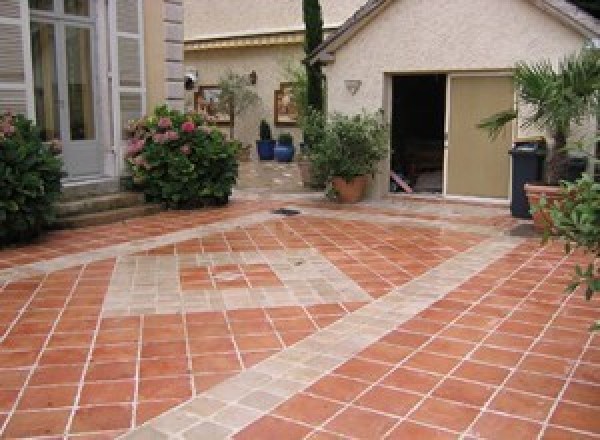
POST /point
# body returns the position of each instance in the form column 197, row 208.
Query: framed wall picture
column 206, row 100
column 286, row 110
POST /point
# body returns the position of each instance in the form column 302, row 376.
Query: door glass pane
column 77, row 7
column 79, row 83
column 42, row 5
column 45, row 82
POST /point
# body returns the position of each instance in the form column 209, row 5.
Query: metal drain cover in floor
column 285, row 212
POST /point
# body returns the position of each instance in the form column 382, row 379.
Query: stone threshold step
column 93, row 204
column 106, row 217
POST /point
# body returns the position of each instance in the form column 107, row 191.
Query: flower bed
column 30, row 176
column 180, row 161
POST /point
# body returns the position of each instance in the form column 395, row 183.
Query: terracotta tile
column 535, row 383
column 444, row 414
column 115, row 353
column 337, row 388
column 8, row 399
column 448, row 347
column 206, row 381
column 102, row 418
column 251, row 358
column 47, row 397
column 257, row 342
column 196, row 331
column 362, row 369
column 150, row 368
column 56, row 375
column 432, row 363
column 467, row 334
column 522, row 405
column 553, row 433
column 271, row 428
column 382, row 352
column 568, row 351
column 155, row 334
column 547, row 365
column 511, row 342
column 251, row 327
column 163, row 349
column 411, row 380
column 584, row 372
column 246, row 315
column 107, row 392
column 389, row 401
column 37, row 423
column 406, row 339
column 361, row 424
column 410, row 430
column 111, row 371
column 149, row 410
column 496, row 356
column 167, row 388
column 17, row 359
column 117, row 337
column 12, row 379
column 499, row 426
column 585, row 394
column 486, row 374
column 216, row 363
column 464, row 392
column 290, row 338
column 308, row 409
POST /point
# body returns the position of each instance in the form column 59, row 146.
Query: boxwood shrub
column 30, row 174
column 181, row 161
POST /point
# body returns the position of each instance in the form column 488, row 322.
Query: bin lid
column 528, row 148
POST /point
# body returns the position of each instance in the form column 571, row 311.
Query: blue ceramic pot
column 284, row 153
column 266, row 149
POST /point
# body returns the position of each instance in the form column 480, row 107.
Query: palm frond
column 495, row 124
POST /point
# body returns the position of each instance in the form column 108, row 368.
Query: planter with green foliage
column 555, row 99
column 284, row 151
column 30, row 174
column 265, row 146
column 179, row 161
column 346, row 150
column 576, row 221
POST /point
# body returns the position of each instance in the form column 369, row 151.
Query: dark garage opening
column 418, row 125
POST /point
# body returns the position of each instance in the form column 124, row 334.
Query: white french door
column 65, row 87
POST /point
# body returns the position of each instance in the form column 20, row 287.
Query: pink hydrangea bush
column 180, row 160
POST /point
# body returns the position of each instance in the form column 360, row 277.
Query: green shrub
column 286, row 139
column 576, row 220
column 346, row 146
column 30, row 176
column 178, row 160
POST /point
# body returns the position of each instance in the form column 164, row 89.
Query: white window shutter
column 16, row 79
column 127, row 66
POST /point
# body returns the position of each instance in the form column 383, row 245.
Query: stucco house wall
column 411, row 36
column 227, row 17
column 268, row 62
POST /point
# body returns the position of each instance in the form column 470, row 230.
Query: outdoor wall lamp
column 353, row 85
column 253, row 77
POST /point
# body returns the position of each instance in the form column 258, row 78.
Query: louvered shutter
column 127, row 61
column 16, row 84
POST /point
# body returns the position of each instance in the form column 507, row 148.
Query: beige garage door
column 478, row 166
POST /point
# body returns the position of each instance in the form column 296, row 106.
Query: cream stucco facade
column 480, row 37
column 251, row 35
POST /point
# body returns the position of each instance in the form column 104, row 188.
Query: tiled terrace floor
column 406, row 319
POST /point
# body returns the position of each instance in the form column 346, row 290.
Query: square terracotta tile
column 387, row 400
column 308, row 409
column 111, row 371
column 499, row 426
column 412, row 380
column 431, row 363
column 518, row 404
column 165, row 388
column 483, row 373
column 272, row 428
column 37, row 423
column 469, row 393
column 445, row 414
column 410, row 430
column 582, row 418
column 101, row 393
column 535, row 383
column 337, row 388
column 162, row 367
column 361, row 424
column 102, row 418
column 363, row 370
column 37, row 398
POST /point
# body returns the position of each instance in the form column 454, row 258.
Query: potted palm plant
column 556, row 99
column 346, row 152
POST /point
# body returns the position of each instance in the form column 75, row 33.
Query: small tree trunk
column 559, row 159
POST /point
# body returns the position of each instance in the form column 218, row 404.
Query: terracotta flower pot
column 535, row 193
column 350, row 191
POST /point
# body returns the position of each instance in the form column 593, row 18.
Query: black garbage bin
column 528, row 158
column 577, row 166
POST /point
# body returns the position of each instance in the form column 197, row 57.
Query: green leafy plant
column 30, row 174
column 576, row 220
column 178, row 160
column 346, row 146
column 236, row 97
column 285, row 139
column 558, row 97
column 265, row 131
column 295, row 74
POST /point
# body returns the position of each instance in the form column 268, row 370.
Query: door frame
column 466, row 74
column 94, row 23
